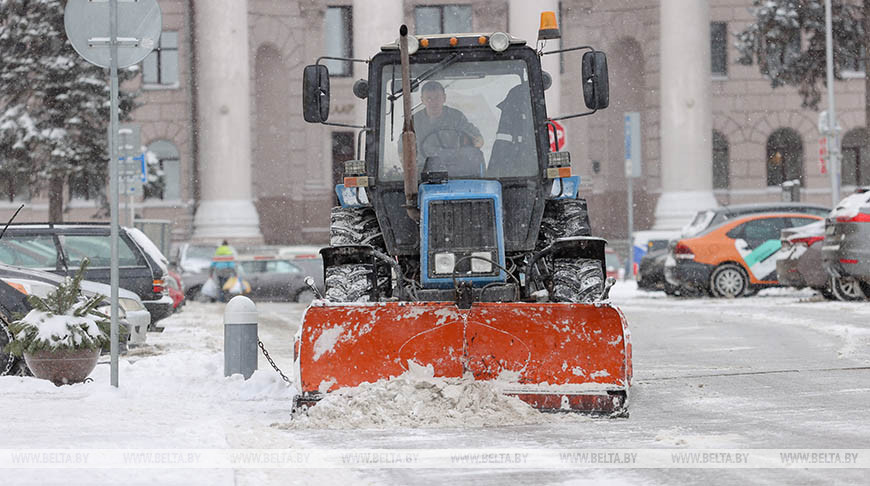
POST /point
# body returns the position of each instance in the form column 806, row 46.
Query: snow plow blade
column 554, row 356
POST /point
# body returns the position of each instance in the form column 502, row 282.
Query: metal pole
column 833, row 135
column 630, row 270
column 113, row 183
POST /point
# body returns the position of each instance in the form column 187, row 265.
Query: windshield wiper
column 444, row 64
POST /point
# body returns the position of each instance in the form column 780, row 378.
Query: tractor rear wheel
column 351, row 282
column 563, row 218
column 577, row 280
column 354, row 226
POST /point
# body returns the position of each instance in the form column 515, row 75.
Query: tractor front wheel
column 348, row 283
column 577, row 280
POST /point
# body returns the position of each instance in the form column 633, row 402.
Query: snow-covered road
column 779, row 370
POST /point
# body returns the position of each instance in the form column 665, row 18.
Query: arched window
column 856, row 158
column 721, row 162
column 785, row 157
column 164, row 172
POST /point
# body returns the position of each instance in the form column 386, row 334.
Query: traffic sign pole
column 140, row 23
column 113, row 181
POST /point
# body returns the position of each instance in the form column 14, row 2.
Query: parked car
column 651, row 269
column 614, row 265
column 29, row 281
column 60, row 248
column 799, row 263
column 846, row 251
column 733, row 259
column 708, row 218
column 277, row 278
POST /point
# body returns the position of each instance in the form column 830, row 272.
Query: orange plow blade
column 554, row 356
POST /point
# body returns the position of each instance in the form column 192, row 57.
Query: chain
column 269, row 358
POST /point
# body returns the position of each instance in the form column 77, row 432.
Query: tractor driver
column 442, row 127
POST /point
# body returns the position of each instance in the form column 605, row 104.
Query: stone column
column 686, row 114
column 375, row 23
column 226, row 209
column 524, row 19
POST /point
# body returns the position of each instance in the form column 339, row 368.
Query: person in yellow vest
column 223, row 267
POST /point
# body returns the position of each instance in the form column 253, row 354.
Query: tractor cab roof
column 456, row 40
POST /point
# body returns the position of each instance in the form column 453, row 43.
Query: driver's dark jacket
column 450, row 121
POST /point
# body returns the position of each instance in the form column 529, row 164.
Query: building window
column 856, row 158
column 160, row 67
column 164, row 172
column 338, row 29
column 719, row 48
column 442, row 19
column 342, row 151
column 785, row 157
column 721, row 161
column 14, row 186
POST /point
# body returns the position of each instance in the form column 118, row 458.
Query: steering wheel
column 440, row 142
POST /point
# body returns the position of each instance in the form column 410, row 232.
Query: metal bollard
column 240, row 337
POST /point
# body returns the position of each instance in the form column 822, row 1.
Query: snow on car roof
column 852, row 204
column 149, row 247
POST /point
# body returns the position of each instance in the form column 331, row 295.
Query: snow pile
column 418, row 399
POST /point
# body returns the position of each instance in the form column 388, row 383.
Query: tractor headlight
column 499, row 41
column 444, row 262
column 481, row 266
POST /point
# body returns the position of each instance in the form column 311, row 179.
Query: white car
column 130, row 307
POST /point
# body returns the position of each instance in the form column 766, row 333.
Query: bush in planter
column 61, row 337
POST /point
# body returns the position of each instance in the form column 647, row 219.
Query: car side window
column 96, row 248
column 281, row 266
column 795, row 222
column 763, row 229
column 253, row 266
column 31, row 251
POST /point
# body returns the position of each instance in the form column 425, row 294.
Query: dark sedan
column 282, row 279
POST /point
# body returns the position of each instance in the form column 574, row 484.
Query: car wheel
column 305, row 296
column 847, row 289
column 671, row 290
column 729, row 280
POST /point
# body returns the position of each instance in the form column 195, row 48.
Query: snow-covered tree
column 54, row 105
column 787, row 40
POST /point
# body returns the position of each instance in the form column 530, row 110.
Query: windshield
column 472, row 120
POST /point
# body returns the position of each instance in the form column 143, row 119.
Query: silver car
column 846, row 253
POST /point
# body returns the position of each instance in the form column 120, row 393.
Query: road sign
column 557, row 141
column 632, row 145
column 87, row 27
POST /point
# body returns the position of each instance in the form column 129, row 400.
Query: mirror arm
column 352, row 59
column 565, row 117
column 569, row 49
column 333, row 58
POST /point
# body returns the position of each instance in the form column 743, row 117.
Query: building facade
column 239, row 147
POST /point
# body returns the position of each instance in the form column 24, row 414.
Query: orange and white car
column 736, row 258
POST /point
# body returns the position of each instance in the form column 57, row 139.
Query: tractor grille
column 462, row 228
column 468, row 224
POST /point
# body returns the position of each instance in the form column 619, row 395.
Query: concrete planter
column 63, row 367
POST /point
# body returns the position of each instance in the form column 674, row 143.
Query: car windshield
column 472, row 120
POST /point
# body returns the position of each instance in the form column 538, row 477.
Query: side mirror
column 315, row 93
column 596, row 87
